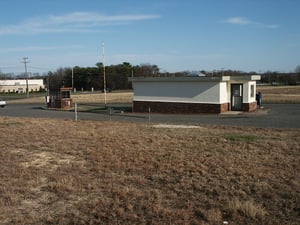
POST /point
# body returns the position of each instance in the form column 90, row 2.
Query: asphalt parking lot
column 271, row 116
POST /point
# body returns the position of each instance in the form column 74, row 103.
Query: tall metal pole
column 72, row 79
column 132, row 77
column 104, row 78
column 26, row 75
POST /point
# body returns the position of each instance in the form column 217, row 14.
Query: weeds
column 7, row 124
column 246, row 208
column 241, row 137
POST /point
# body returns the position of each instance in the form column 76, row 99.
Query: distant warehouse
column 19, row 86
column 194, row 94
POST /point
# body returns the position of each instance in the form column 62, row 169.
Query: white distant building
column 195, row 94
column 19, row 86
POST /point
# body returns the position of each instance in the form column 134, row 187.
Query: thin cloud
column 38, row 48
column 87, row 17
column 268, row 26
column 238, row 20
column 244, row 22
column 82, row 22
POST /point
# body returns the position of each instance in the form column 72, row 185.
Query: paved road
column 273, row 115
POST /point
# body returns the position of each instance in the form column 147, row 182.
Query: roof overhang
column 245, row 78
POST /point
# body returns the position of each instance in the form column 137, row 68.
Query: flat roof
column 195, row 79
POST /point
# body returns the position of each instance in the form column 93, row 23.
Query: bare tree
column 297, row 70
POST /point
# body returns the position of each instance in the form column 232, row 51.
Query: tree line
column 87, row 78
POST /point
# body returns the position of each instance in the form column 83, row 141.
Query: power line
column 39, row 68
column 14, row 68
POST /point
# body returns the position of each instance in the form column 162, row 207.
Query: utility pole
column 104, row 78
column 72, row 79
column 26, row 75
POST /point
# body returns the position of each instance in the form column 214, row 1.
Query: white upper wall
column 248, row 94
column 192, row 92
column 21, row 82
column 224, row 92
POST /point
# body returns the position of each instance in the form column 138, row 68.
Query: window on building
column 65, row 94
column 252, row 87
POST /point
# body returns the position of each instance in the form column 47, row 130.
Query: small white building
column 19, row 85
column 194, row 94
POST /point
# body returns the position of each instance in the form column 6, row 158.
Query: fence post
column 149, row 115
column 76, row 116
column 109, row 113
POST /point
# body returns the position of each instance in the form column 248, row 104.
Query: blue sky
column 176, row 35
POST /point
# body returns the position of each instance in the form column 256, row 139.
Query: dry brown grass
column 280, row 94
column 87, row 172
column 271, row 94
column 247, row 208
column 113, row 97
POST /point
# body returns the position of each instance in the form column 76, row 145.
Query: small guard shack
column 60, row 99
column 195, row 94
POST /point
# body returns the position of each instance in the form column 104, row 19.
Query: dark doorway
column 236, row 97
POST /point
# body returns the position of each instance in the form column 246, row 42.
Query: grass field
column 113, row 97
column 87, row 172
column 90, row 172
column 271, row 94
column 280, row 94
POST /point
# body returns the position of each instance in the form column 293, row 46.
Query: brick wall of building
column 249, row 107
column 176, row 107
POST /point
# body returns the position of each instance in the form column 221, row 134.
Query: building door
column 236, row 97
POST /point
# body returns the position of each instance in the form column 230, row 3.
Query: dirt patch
column 47, row 159
column 173, row 126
